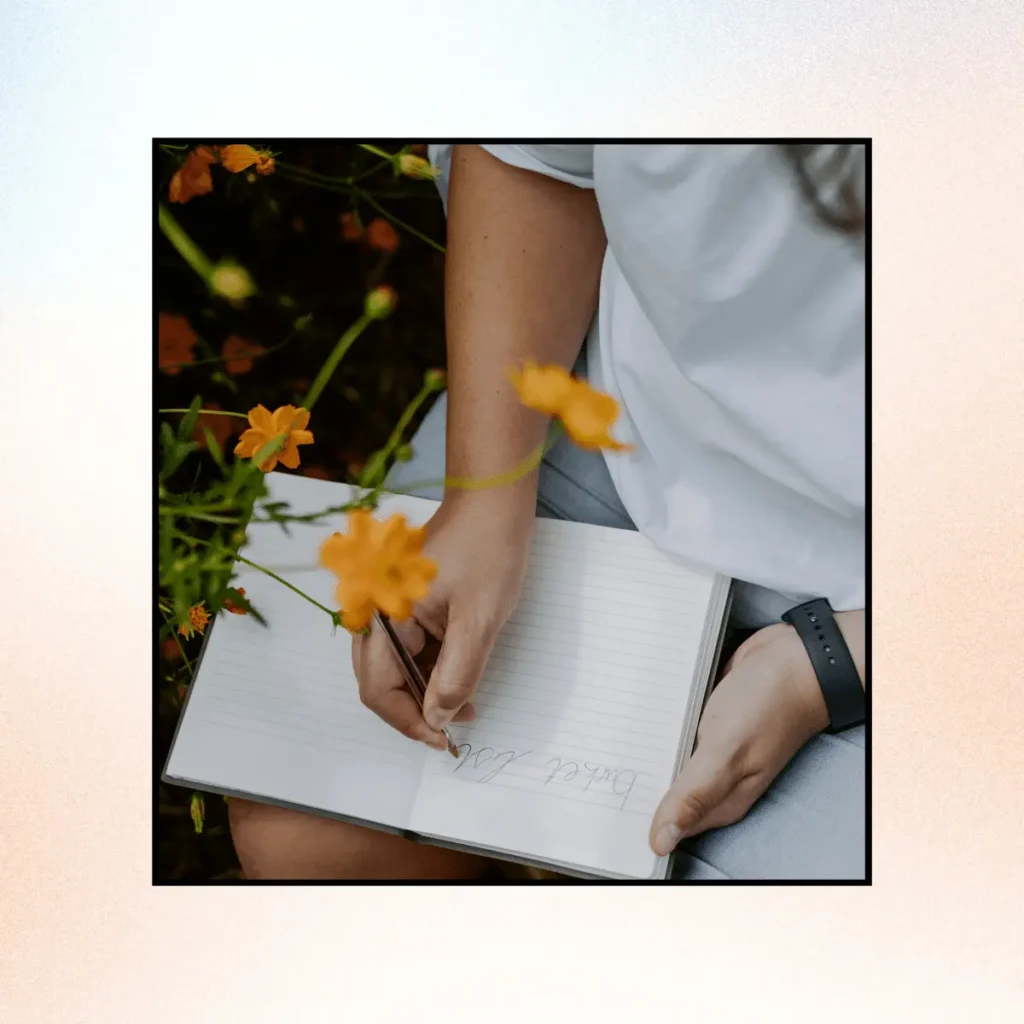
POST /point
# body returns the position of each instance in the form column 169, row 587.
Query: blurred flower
column 416, row 167
column 435, row 379
column 193, row 177
column 197, row 808
column 232, row 282
column 222, row 427
column 419, row 148
column 175, row 341
column 381, row 302
column 316, row 472
column 351, row 229
column 298, row 225
column 380, row 565
column 237, row 351
column 287, row 421
column 587, row 415
column 381, row 235
column 182, row 692
column 198, row 618
column 230, row 606
column 169, row 649
column 238, row 158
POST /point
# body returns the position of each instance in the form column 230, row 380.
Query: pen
column 411, row 671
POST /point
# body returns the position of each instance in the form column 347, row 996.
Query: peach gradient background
column 83, row 88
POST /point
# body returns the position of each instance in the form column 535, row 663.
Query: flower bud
column 403, row 453
column 381, row 302
column 435, row 380
column 416, row 167
column 232, row 282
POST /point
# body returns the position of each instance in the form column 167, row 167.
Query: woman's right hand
column 480, row 541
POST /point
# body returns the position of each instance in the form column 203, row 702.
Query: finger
column 460, row 664
column 382, row 685
column 696, row 798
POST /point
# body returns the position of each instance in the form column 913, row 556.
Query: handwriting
column 619, row 780
column 484, row 764
column 502, row 760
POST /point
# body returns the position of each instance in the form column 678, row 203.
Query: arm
column 522, row 275
column 524, row 263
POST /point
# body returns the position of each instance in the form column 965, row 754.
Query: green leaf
column 188, row 421
column 167, row 438
column 215, row 450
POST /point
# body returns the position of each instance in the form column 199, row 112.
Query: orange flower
column 381, row 235
column 587, row 415
column 175, row 341
column 198, row 618
column 238, row 158
column 222, row 427
column 193, row 177
column 380, row 565
column 230, row 606
column 351, row 229
column 236, row 350
column 287, row 421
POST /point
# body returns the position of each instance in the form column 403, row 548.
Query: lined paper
column 581, row 707
column 580, row 711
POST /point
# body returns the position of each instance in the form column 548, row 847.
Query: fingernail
column 668, row 839
column 438, row 744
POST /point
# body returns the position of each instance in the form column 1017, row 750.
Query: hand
column 766, row 707
column 480, row 541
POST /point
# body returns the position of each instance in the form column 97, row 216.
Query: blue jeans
column 810, row 822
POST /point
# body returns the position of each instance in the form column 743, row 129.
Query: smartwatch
column 832, row 662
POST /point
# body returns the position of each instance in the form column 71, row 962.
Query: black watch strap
column 832, row 662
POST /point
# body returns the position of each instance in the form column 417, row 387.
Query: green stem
column 274, row 576
column 314, row 177
column 466, row 483
column 174, row 633
column 187, row 249
column 380, row 458
column 390, row 157
column 331, row 364
column 209, row 412
column 370, row 201
column 262, row 354
column 184, row 512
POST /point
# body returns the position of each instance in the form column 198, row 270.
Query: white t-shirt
column 730, row 328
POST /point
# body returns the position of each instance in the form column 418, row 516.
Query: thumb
column 464, row 653
column 705, row 782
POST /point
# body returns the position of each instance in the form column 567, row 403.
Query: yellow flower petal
column 238, row 158
column 544, row 388
column 261, row 419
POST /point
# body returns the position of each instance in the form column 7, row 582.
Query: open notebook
column 586, row 710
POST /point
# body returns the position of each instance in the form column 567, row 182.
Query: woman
column 728, row 287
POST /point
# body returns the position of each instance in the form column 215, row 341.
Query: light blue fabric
column 810, row 822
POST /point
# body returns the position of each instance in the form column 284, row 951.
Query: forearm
column 522, row 275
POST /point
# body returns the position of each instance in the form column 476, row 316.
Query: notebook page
column 581, row 707
column 275, row 712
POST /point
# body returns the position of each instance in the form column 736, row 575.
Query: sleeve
column 573, row 164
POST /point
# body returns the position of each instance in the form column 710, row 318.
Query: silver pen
column 411, row 671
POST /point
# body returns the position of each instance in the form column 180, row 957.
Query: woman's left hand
column 766, row 707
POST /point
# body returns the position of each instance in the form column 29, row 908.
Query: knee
column 274, row 843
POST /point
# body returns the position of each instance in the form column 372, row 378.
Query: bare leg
column 273, row 843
